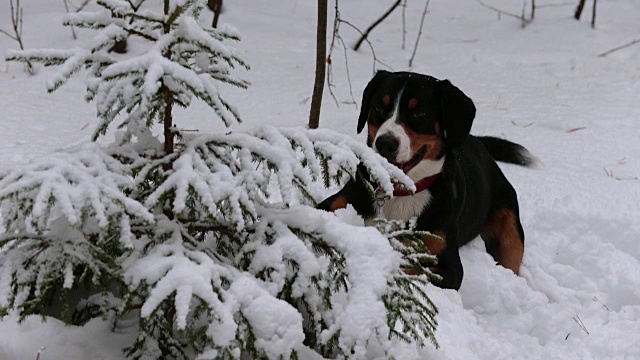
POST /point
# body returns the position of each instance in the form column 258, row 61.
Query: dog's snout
column 387, row 146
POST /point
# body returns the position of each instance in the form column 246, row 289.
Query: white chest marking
column 405, row 207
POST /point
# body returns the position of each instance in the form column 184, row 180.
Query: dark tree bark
column 321, row 64
column 579, row 9
column 120, row 46
column 168, row 121
column 376, row 23
column 533, row 9
column 216, row 7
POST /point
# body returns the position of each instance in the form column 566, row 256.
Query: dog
column 421, row 125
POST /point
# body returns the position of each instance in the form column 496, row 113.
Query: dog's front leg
column 357, row 192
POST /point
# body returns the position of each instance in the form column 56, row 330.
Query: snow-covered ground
column 578, row 296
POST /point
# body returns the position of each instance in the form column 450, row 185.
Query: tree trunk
column 168, row 121
column 593, row 15
column 216, row 7
column 321, row 63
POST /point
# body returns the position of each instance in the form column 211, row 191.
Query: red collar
column 420, row 186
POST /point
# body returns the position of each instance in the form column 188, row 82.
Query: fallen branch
column 576, row 129
column 611, row 175
column 580, row 323
column 601, row 303
column 619, row 48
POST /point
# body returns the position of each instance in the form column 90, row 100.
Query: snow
column 543, row 86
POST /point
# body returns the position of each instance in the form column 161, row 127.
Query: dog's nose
column 387, row 146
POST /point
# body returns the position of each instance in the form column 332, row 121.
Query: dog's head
column 412, row 118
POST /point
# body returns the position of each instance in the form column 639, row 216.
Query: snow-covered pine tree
column 211, row 245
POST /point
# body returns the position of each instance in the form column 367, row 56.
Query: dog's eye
column 378, row 109
column 419, row 114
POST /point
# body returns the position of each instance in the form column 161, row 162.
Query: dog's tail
column 508, row 152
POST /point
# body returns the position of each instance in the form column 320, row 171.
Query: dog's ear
column 371, row 88
column 458, row 112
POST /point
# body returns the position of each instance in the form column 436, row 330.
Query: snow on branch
column 76, row 184
column 182, row 60
column 221, row 169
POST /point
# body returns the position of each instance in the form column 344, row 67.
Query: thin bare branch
column 82, row 5
column 533, row 9
column 404, row 23
column 618, row 48
column 73, row 30
column 336, row 36
column 500, row 12
column 554, row 5
column 376, row 23
column 373, row 53
column 415, row 47
column 16, row 23
column 9, row 35
column 580, row 323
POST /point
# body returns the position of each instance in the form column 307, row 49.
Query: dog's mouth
column 407, row 166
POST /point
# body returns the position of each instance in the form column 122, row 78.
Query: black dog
column 422, row 125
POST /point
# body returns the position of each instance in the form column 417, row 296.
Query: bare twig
column 135, row 6
column 523, row 20
column 82, row 5
column 373, row 53
column 554, row 5
column 533, row 9
column 619, row 178
column 40, row 351
column 376, row 23
column 404, row 23
column 16, row 23
column 601, row 303
column 415, row 47
column 500, row 12
column 120, row 46
column 578, row 12
column 73, row 30
column 336, row 36
column 580, row 323
column 523, row 126
column 576, row 129
column 618, row 48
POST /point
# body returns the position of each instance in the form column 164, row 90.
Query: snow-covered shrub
column 211, row 244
